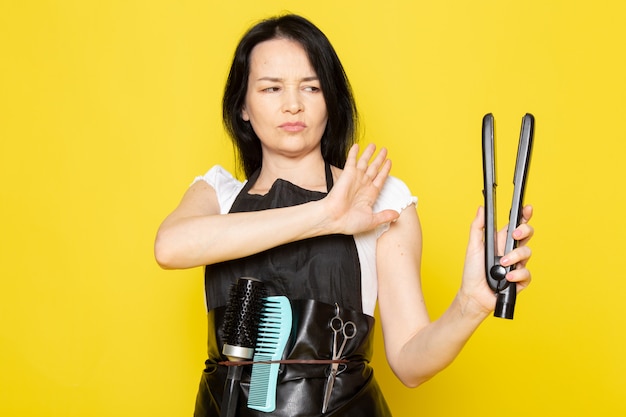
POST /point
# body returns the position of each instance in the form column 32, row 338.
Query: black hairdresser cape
column 319, row 276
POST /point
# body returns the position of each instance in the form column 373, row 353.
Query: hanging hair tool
column 274, row 331
column 496, row 273
column 241, row 323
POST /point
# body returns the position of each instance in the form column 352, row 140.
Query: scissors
column 348, row 331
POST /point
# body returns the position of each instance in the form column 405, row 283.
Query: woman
column 318, row 223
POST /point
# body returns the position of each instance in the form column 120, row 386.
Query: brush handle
column 231, row 391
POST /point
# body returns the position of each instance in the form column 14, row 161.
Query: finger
column 386, row 216
column 352, row 154
column 367, row 154
column 378, row 162
column 479, row 220
column 382, row 175
column 523, row 233
column 477, row 229
column 522, row 277
column 379, row 159
column 527, row 213
column 520, row 255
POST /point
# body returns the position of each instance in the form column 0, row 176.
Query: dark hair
column 340, row 132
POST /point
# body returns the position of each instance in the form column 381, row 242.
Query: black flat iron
column 496, row 274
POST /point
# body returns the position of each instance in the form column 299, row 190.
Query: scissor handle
column 349, row 334
column 336, row 324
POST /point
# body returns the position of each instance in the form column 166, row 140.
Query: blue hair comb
column 274, row 331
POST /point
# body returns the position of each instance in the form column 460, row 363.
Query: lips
column 293, row 126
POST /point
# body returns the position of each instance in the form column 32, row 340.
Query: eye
column 312, row 89
column 272, row 89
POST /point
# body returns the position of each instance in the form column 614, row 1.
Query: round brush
column 240, row 330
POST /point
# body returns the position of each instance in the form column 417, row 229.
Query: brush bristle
column 241, row 319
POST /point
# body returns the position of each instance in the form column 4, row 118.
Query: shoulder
column 226, row 186
column 217, row 175
column 394, row 195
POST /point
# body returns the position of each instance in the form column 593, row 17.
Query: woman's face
column 284, row 101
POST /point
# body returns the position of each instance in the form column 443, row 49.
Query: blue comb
column 274, row 330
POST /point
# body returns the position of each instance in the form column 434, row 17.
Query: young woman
column 322, row 225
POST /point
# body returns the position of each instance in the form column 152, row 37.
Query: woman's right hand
column 350, row 202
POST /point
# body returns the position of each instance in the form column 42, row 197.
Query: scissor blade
column 330, row 382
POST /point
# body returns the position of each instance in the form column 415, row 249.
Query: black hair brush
column 240, row 330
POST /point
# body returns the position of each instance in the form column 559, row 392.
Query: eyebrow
column 276, row 79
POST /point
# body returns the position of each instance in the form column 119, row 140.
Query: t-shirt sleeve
column 395, row 195
column 225, row 185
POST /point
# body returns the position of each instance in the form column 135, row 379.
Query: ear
column 244, row 115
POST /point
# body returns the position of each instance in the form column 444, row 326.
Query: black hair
column 341, row 127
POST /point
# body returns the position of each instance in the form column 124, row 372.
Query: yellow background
column 110, row 108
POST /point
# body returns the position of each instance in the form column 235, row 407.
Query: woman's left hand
column 474, row 288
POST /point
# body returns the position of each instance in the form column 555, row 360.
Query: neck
column 308, row 173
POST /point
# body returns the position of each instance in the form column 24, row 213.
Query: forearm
column 436, row 345
column 417, row 348
column 202, row 240
column 196, row 234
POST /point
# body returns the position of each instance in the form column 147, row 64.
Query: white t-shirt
column 394, row 195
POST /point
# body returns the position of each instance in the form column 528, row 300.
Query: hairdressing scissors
column 496, row 273
column 347, row 330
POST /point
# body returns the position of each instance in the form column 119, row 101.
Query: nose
column 292, row 102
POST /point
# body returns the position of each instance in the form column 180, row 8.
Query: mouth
column 293, row 126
